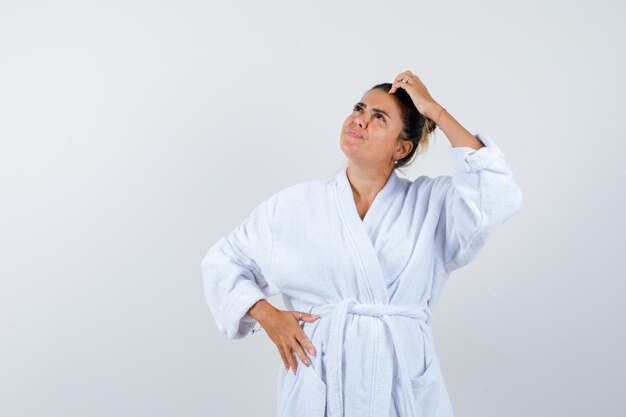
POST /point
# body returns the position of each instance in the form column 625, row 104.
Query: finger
column 284, row 358
column 300, row 352
column 306, row 343
column 290, row 359
column 403, row 75
column 309, row 318
column 296, row 315
column 406, row 75
column 396, row 85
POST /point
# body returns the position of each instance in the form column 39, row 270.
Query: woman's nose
column 360, row 120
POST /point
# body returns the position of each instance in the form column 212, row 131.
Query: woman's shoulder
column 302, row 192
column 424, row 181
column 308, row 188
column 429, row 186
column 297, row 201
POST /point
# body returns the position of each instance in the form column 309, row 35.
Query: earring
column 395, row 161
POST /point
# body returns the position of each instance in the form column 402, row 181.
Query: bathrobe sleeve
column 235, row 272
column 479, row 197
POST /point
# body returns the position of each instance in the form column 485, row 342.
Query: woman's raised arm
column 480, row 196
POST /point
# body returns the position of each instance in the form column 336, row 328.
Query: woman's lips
column 353, row 133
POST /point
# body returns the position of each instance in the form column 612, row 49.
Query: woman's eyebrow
column 375, row 110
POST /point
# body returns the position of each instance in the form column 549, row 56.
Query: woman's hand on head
column 283, row 327
column 416, row 90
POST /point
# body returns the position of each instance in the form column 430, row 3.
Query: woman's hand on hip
column 283, row 327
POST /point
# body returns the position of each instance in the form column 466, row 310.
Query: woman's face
column 376, row 118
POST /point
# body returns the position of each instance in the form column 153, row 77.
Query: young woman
column 361, row 259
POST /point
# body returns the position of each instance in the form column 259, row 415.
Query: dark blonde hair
column 415, row 126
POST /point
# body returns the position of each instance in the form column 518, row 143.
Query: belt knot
column 350, row 305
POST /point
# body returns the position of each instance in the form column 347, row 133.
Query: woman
column 361, row 259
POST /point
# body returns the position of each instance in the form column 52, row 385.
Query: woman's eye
column 380, row 116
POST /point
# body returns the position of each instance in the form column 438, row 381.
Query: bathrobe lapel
column 363, row 233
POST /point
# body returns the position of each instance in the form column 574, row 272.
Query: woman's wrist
column 433, row 111
column 261, row 309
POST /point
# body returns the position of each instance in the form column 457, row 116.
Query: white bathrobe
column 374, row 282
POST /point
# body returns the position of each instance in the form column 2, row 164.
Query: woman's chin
column 351, row 151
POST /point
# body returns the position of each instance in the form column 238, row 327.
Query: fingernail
column 308, row 363
column 311, row 351
column 294, row 371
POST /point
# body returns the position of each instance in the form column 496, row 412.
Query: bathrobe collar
column 381, row 201
column 363, row 232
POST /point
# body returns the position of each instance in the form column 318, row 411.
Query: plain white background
column 134, row 134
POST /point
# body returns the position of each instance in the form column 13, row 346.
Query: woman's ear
column 406, row 146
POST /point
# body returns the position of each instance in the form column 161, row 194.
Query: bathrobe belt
column 339, row 312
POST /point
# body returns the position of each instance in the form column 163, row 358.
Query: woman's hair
column 415, row 126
